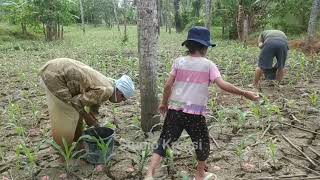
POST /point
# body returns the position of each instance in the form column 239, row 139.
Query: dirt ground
column 223, row 161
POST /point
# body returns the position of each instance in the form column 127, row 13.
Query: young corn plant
column 272, row 151
column 110, row 125
column 256, row 111
column 314, row 98
column 20, row 131
column 103, row 147
column 68, row 152
column 143, row 158
column 221, row 117
column 169, row 160
column 241, row 121
column 14, row 112
column 29, row 163
column 239, row 151
column 35, row 111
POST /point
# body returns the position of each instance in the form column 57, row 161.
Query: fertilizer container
column 94, row 153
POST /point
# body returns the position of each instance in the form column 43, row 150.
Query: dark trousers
column 273, row 48
column 195, row 125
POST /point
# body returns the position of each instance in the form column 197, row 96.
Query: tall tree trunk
column 82, row 17
column 159, row 15
column 312, row 27
column 94, row 18
column 240, row 19
column 23, row 28
column 147, row 48
column 208, row 14
column 50, row 30
column 245, row 28
column 44, row 31
column 58, row 33
column 196, row 8
column 177, row 17
column 125, row 36
column 55, row 30
column 62, row 32
column 115, row 7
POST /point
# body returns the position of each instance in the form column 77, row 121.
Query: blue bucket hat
column 125, row 85
column 200, row 35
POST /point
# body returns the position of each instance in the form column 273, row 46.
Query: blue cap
column 125, row 85
column 200, row 35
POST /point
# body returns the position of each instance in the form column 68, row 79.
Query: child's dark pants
column 196, row 127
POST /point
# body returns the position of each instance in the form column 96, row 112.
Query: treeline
column 237, row 18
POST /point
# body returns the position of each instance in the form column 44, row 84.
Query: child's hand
column 251, row 95
column 163, row 108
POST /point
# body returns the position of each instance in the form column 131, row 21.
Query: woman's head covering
column 125, row 85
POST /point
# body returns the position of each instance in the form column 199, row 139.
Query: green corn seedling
column 144, row 154
column 239, row 151
column 221, row 118
column 169, row 160
column 30, row 164
column 272, row 150
column 314, row 98
column 68, row 152
column 241, row 119
column 103, row 147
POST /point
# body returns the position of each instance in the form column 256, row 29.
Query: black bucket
column 270, row 74
column 94, row 153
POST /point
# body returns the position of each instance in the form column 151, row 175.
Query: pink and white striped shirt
column 190, row 91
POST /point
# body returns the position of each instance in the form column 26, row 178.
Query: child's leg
column 154, row 163
column 197, row 129
column 171, row 131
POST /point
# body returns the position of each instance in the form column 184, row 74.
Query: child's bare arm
column 166, row 94
column 234, row 90
column 167, row 90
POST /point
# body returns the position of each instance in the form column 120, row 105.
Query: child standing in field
column 185, row 97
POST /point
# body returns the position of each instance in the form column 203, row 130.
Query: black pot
column 94, row 154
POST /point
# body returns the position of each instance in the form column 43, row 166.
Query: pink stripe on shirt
column 192, row 76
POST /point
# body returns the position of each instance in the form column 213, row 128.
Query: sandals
column 148, row 178
column 209, row 176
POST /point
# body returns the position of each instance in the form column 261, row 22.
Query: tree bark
column 312, row 27
column 82, row 17
column 245, row 28
column 240, row 19
column 23, row 28
column 147, row 49
column 159, row 15
column 125, row 36
column 62, row 31
column 208, row 14
column 115, row 7
column 177, row 17
column 58, row 33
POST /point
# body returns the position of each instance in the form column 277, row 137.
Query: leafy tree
column 21, row 12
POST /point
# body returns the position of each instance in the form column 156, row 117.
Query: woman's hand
column 251, row 95
column 163, row 108
column 90, row 119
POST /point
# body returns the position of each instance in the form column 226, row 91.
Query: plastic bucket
column 94, row 153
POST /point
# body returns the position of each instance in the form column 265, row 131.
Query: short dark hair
column 194, row 46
